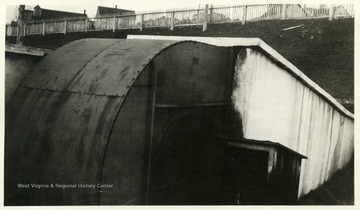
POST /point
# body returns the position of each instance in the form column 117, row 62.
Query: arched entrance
column 187, row 163
column 193, row 163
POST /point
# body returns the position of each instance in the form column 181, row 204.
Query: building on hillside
column 40, row 14
column 28, row 15
column 103, row 22
column 46, row 14
column 108, row 11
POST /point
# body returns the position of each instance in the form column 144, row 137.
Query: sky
column 91, row 6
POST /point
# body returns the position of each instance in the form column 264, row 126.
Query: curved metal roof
column 95, row 66
column 65, row 109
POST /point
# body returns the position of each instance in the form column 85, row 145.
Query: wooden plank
column 265, row 148
column 65, row 25
column 172, row 21
column 205, row 23
column 283, row 12
column 293, row 27
column 190, row 105
column 20, row 49
column 331, row 13
column 243, row 21
column 43, row 28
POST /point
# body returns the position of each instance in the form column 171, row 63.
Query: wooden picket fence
column 185, row 17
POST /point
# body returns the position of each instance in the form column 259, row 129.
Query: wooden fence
column 185, row 17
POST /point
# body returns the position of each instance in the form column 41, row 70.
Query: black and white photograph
column 178, row 103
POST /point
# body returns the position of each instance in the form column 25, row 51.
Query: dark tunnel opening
column 187, row 165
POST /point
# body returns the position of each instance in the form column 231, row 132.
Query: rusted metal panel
column 126, row 160
column 55, row 137
column 125, row 163
column 57, row 69
column 60, row 120
column 96, row 66
column 121, row 64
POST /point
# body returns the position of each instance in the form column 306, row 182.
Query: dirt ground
column 339, row 190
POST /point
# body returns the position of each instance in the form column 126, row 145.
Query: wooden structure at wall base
column 263, row 172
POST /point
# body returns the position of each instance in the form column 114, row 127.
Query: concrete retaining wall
column 274, row 104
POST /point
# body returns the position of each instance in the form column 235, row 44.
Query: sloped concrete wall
column 275, row 105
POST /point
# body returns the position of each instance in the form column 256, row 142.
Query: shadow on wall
column 17, row 66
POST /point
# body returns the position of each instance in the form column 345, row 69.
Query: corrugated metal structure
column 105, row 121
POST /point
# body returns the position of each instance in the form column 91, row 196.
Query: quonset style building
column 197, row 121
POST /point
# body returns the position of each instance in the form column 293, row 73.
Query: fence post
column 331, row 12
column 86, row 25
column 232, row 13
column 304, row 9
column 243, row 21
column 65, row 23
column 114, row 24
column 20, row 25
column 283, row 12
column 211, row 12
column 198, row 14
column 172, row 21
column 142, row 22
column 43, row 28
column 205, row 22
